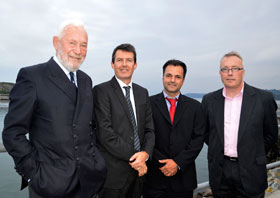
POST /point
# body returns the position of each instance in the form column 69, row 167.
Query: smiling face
column 71, row 47
column 124, row 65
column 173, row 80
column 232, row 80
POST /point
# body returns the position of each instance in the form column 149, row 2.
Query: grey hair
column 232, row 53
column 65, row 24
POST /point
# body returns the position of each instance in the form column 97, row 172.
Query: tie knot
column 172, row 101
column 127, row 89
column 72, row 77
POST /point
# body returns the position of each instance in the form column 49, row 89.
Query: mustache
column 76, row 56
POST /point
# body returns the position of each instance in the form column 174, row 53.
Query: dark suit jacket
column 61, row 151
column 181, row 142
column 115, row 131
column 257, row 133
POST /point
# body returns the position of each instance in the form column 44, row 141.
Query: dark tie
column 132, row 118
column 172, row 109
column 72, row 79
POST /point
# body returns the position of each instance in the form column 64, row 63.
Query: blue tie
column 132, row 119
column 72, row 79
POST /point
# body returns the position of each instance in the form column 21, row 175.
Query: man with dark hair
column 125, row 129
column 53, row 103
column 241, row 127
column 179, row 131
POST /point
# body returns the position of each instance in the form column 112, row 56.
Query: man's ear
column 55, row 42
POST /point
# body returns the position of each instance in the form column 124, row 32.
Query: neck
column 232, row 92
column 126, row 81
column 171, row 94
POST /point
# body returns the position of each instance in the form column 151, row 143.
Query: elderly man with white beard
column 53, row 103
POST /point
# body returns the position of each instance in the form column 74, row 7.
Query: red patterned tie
column 172, row 108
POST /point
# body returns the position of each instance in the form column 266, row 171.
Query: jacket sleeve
column 270, row 128
column 17, row 124
column 149, row 135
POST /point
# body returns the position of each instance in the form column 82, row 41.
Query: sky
column 197, row 32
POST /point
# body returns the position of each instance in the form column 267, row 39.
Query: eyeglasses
column 234, row 69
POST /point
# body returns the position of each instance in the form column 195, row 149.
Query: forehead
column 124, row 54
column 175, row 70
column 231, row 61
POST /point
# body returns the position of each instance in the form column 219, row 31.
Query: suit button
column 91, row 133
column 76, row 148
column 93, row 154
column 91, row 144
column 90, row 123
column 75, row 136
column 77, row 158
column 74, row 126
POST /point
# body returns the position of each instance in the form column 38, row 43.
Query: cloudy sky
column 197, row 32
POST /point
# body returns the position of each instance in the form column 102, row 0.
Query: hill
column 5, row 87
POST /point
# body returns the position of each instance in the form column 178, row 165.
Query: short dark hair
column 175, row 62
column 124, row 47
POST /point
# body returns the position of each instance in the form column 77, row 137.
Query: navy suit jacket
column 60, row 153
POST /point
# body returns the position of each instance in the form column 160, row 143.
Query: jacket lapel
column 161, row 105
column 248, row 103
column 120, row 96
column 58, row 77
column 137, row 98
column 219, row 106
column 81, row 93
column 181, row 106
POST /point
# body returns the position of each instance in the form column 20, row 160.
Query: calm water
column 9, row 179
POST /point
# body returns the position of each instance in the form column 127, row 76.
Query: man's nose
column 77, row 49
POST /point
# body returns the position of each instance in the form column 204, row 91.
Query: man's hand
column 170, row 168
column 138, row 162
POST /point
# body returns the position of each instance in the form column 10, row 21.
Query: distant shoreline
column 4, row 97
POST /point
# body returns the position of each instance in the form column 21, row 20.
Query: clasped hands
column 170, row 168
column 138, row 162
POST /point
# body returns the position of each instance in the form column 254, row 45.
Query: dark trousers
column 150, row 192
column 131, row 189
column 231, row 185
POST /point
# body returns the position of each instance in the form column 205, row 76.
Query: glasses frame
column 233, row 70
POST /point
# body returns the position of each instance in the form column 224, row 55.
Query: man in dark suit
column 241, row 127
column 179, row 131
column 53, row 102
column 125, row 129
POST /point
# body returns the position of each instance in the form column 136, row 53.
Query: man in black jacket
column 241, row 127
column 179, row 129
